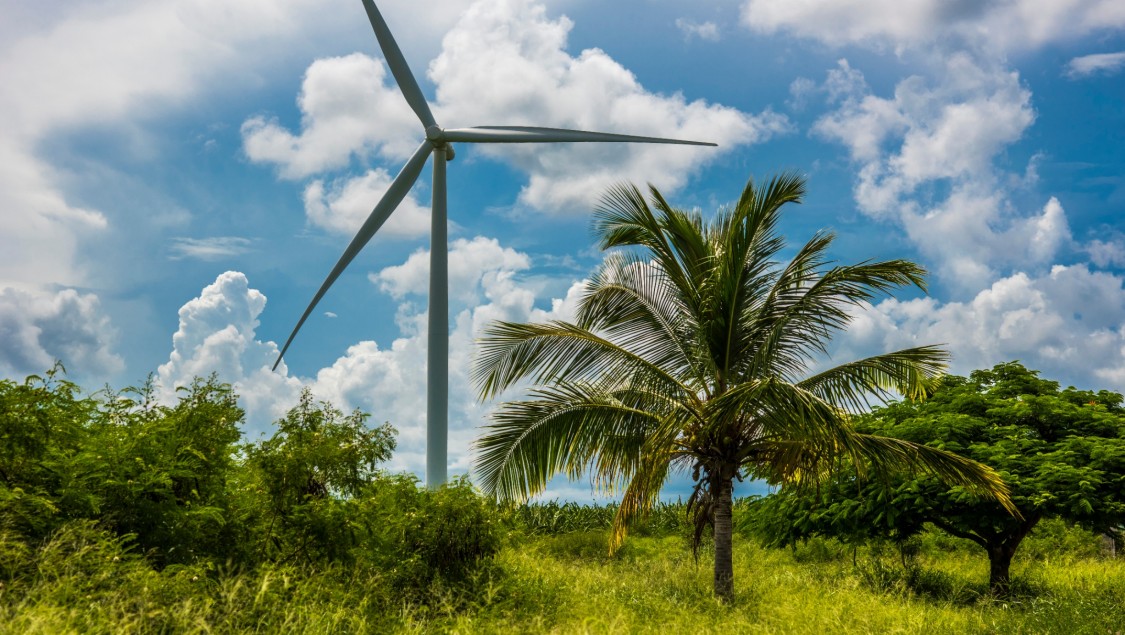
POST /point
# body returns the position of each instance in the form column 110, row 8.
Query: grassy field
column 565, row 583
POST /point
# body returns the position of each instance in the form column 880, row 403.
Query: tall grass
column 87, row 581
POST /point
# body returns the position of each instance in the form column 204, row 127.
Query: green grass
column 566, row 583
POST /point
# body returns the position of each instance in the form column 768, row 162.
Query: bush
column 299, row 488
column 419, row 537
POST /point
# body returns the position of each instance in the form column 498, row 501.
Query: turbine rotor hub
column 435, row 135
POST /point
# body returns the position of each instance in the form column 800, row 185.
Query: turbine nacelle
column 436, row 136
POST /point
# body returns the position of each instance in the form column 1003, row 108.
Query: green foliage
column 419, row 536
column 160, row 472
column 1061, row 451
column 153, row 471
column 92, row 581
column 312, row 469
column 119, row 490
column 42, row 431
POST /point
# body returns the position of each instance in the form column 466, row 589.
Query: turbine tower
column 438, row 143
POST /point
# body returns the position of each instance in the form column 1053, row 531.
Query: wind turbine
column 438, row 143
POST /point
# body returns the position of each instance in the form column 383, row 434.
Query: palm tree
column 690, row 353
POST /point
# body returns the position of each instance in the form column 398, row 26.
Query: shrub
column 419, row 537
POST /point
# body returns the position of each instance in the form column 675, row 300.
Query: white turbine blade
column 531, row 134
column 395, row 193
column 399, row 68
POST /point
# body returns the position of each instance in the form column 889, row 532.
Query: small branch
column 968, row 535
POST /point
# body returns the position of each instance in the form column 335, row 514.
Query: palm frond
column 802, row 323
column 624, row 219
column 570, row 428
column 557, row 351
column 636, row 306
column 912, row 373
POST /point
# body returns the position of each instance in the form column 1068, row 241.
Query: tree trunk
column 1000, row 557
column 999, row 565
column 724, row 530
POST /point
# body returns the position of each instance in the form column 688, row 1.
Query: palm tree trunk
column 724, row 530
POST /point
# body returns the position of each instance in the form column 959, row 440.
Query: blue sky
column 176, row 177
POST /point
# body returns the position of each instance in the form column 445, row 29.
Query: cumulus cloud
column 926, row 160
column 38, row 328
column 1004, row 26
column 217, row 333
column 473, row 264
column 1107, row 253
column 347, row 109
column 343, row 204
column 485, row 285
column 1100, row 63
column 118, row 63
column 1069, row 323
column 951, row 130
column 506, row 63
column 96, row 64
column 703, row 30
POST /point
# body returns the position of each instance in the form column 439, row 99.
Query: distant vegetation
column 122, row 515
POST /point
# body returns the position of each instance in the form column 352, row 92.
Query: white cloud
column 1107, row 253
column 952, row 130
column 344, row 204
column 123, row 62
column 97, row 63
column 347, row 109
column 472, row 263
column 484, row 286
column 1069, row 323
column 217, row 333
column 800, row 91
column 1003, row 26
column 1100, row 63
column 926, row 160
column 38, row 328
column 505, row 63
column 210, row 249
column 703, row 30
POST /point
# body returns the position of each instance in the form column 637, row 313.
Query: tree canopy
column 1061, row 452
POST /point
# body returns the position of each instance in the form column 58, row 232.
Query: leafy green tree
column 1061, row 451
column 417, row 536
column 42, row 432
column 161, row 472
column 690, row 352
column 137, row 467
column 314, row 464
